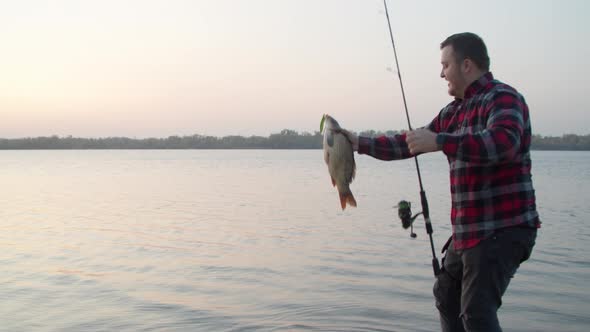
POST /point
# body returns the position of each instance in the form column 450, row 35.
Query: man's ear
column 467, row 65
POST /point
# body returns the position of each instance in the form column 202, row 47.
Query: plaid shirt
column 486, row 137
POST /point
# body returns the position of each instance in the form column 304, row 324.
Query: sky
column 157, row 68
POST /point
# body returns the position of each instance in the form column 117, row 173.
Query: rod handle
column 435, row 266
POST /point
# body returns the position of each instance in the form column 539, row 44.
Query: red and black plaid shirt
column 486, row 137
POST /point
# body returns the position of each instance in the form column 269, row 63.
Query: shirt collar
column 478, row 85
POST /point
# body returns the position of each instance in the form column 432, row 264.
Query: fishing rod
column 404, row 207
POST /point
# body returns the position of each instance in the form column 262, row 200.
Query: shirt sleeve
column 385, row 147
column 392, row 147
column 499, row 141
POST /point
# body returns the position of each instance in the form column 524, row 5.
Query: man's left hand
column 421, row 141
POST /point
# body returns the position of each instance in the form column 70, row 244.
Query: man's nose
column 442, row 74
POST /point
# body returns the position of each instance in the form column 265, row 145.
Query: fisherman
column 485, row 133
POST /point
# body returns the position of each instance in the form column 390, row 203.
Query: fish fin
column 343, row 202
column 347, row 198
column 351, row 201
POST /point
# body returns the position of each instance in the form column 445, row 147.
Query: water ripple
column 256, row 241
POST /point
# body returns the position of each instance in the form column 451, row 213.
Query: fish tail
column 347, row 198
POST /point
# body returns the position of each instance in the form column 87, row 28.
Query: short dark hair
column 467, row 45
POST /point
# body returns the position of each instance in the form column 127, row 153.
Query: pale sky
column 155, row 68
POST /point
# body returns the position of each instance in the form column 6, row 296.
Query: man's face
column 453, row 72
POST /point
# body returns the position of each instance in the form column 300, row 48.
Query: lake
column 255, row 240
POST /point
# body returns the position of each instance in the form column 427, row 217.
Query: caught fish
column 339, row 156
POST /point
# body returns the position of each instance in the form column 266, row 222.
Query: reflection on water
column 255, row 241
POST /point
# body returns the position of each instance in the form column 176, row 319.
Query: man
column 485, row 133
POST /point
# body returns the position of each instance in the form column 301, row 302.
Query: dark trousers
column 469, row 289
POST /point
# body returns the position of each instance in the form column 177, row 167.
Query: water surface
column 233, row 240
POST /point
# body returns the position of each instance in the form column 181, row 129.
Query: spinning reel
column 404, row 212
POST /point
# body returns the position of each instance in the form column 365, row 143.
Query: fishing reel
column 404, row 212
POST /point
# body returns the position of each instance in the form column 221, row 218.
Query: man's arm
column 385, row 147
column 499, row 141
column 381, row 147
column 397, row 146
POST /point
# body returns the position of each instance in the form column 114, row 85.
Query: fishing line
column 404, row 211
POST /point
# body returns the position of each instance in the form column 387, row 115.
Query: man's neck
column 474, row 76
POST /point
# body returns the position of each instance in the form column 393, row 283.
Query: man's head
column 464, row 58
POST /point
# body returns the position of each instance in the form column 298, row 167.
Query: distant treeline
column 286, row 139
column 565, row 142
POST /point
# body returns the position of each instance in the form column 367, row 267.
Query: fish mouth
column 322, row 123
